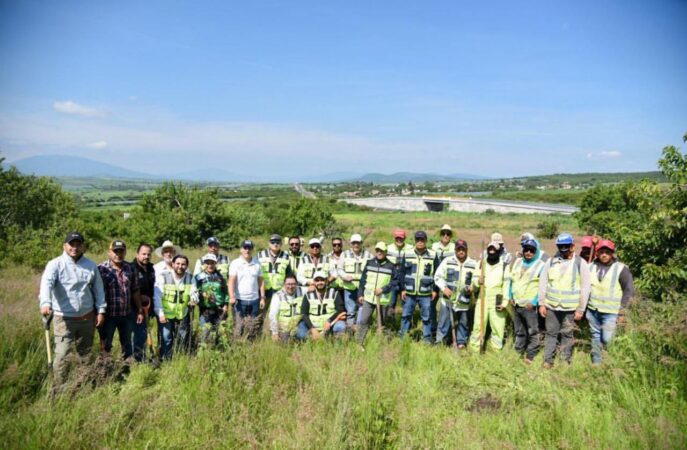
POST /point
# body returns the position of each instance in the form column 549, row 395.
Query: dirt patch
column 485, row 403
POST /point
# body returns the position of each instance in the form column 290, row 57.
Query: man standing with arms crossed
column 72, row 290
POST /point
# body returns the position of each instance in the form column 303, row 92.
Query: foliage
column 648, row 223
column 306, row 217
column 548, row 229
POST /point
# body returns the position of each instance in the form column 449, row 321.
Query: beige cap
column 380, row 246
column 497, row 237
column 445, row 227
column 167, row 244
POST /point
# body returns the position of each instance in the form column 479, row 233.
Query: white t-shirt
column 247, row 274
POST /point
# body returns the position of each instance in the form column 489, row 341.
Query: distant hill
column 72, row 166
column 404, row 177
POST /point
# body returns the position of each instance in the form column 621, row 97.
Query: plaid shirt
column 119, row 286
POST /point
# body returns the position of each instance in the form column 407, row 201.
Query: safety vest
column 211, row 293
column 294, row 260
column 494, row 278
column 419, row 273
column 222, row 266
column 321, row 310
column 456, row 276
column 607, row 293
column 273, row 271
column 563, row 289
column 354, row 265
column 289, row 314
column 338, row 282
column 308, row 268
column 378, row 276
column 525, row 282
column 394, row 254
column 175, row 301
column 444, row 251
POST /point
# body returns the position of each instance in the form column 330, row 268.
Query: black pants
column 526, row 325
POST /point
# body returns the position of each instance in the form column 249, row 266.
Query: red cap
column 399, row 234
column 461, row 243
column 586, row 242
column 605, row 243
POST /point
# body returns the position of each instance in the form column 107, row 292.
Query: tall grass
column 395, row 394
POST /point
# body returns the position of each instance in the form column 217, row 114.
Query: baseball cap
column 247, row 244
column 420, row 235
column 314, row 241
column 460, row 243
column 446, row 227
column 494, row 244
column 605, row 243
column 210, row 257
column 587, row 242
column 73, row 236
column 380, row 246
column 399, row 234
column 564, row 239
column 213, row 240
column 356, row 238
column 526, row 236
column 117, row 244
column 275, row 238
column 319, row 274
column 529, row 243
column 497, row 237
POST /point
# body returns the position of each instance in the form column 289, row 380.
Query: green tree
column 308, row 217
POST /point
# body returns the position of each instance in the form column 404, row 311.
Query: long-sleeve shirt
column 72, row 288
column 120, row 284
column 339, row 307
column 275, row 305
column 209, row 290
column 392, row 285
column 563, row 265
column 160, row 288
column 625, row 279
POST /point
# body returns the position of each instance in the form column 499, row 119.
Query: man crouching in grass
column 323, row 311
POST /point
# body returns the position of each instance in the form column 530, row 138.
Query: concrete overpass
column 460, row 204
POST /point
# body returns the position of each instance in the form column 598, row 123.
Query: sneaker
column 547, row 365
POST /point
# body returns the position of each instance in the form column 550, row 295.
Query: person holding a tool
column 377, row 282
column 491, row 308
column 72, row 290
column 454, row 278
column 323, row 311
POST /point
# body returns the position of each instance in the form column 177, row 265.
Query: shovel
column 46, row 326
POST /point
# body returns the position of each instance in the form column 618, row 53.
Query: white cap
column 356, row 238
column 497, row 237
column 209, row 257
column 314, row 241
column 319, row 274
column 494, row 244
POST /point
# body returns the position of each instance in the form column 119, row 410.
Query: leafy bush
column 548, row 229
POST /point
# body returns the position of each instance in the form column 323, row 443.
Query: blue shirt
column 72, row 288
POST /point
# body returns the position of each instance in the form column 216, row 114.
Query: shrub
column 548, row 229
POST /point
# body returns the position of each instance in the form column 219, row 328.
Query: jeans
column 394, row 298
column 174, row 334
column 351, row 302
column 139, row 333
column 563, row 323
column 122, row 325
column 425, row 302
column 303, row 331
column 526, row 325
column 602, row 326
column 246, row 318
column 460, row 323
column 433, row 316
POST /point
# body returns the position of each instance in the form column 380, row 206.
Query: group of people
column 300, row 295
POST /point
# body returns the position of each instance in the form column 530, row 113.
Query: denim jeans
column 425, row 303
column 121, row 324
column 303, row 332
column 246, row 318
column 460, row 322
column 139, row 336
column 602, row 326
column 352, row 305
column 174, row 335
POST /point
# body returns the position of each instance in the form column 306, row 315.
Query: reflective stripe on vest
column 525, row 283
column 307, row 268
column 394, row 255
column 273, row 273
column 442, row 251
column 419, row 273
column 354, row 265
column 607, row 293
column 563, row 289
column 456, row 275
column 174, row 301
column 320, row 311
column 377, row 277
column 289, row 314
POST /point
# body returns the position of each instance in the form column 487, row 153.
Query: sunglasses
column 355, row 243
column 315, row 246
column 275, row 242
column 446, row 233
column 294, row 244
column 529, row 250
column 336, row 244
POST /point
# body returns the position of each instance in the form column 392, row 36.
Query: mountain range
column 76, row 166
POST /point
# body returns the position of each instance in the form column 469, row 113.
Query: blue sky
column 490, row 88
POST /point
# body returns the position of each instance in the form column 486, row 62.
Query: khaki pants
column 70, row 334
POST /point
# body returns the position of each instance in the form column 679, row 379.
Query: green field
column 396, row 394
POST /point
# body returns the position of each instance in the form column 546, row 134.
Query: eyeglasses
column 336, row 244
column 275, row 242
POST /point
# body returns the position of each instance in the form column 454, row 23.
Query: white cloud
column 97, row 145
column 611, row 154
column 70, row 107
column 590, row 155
